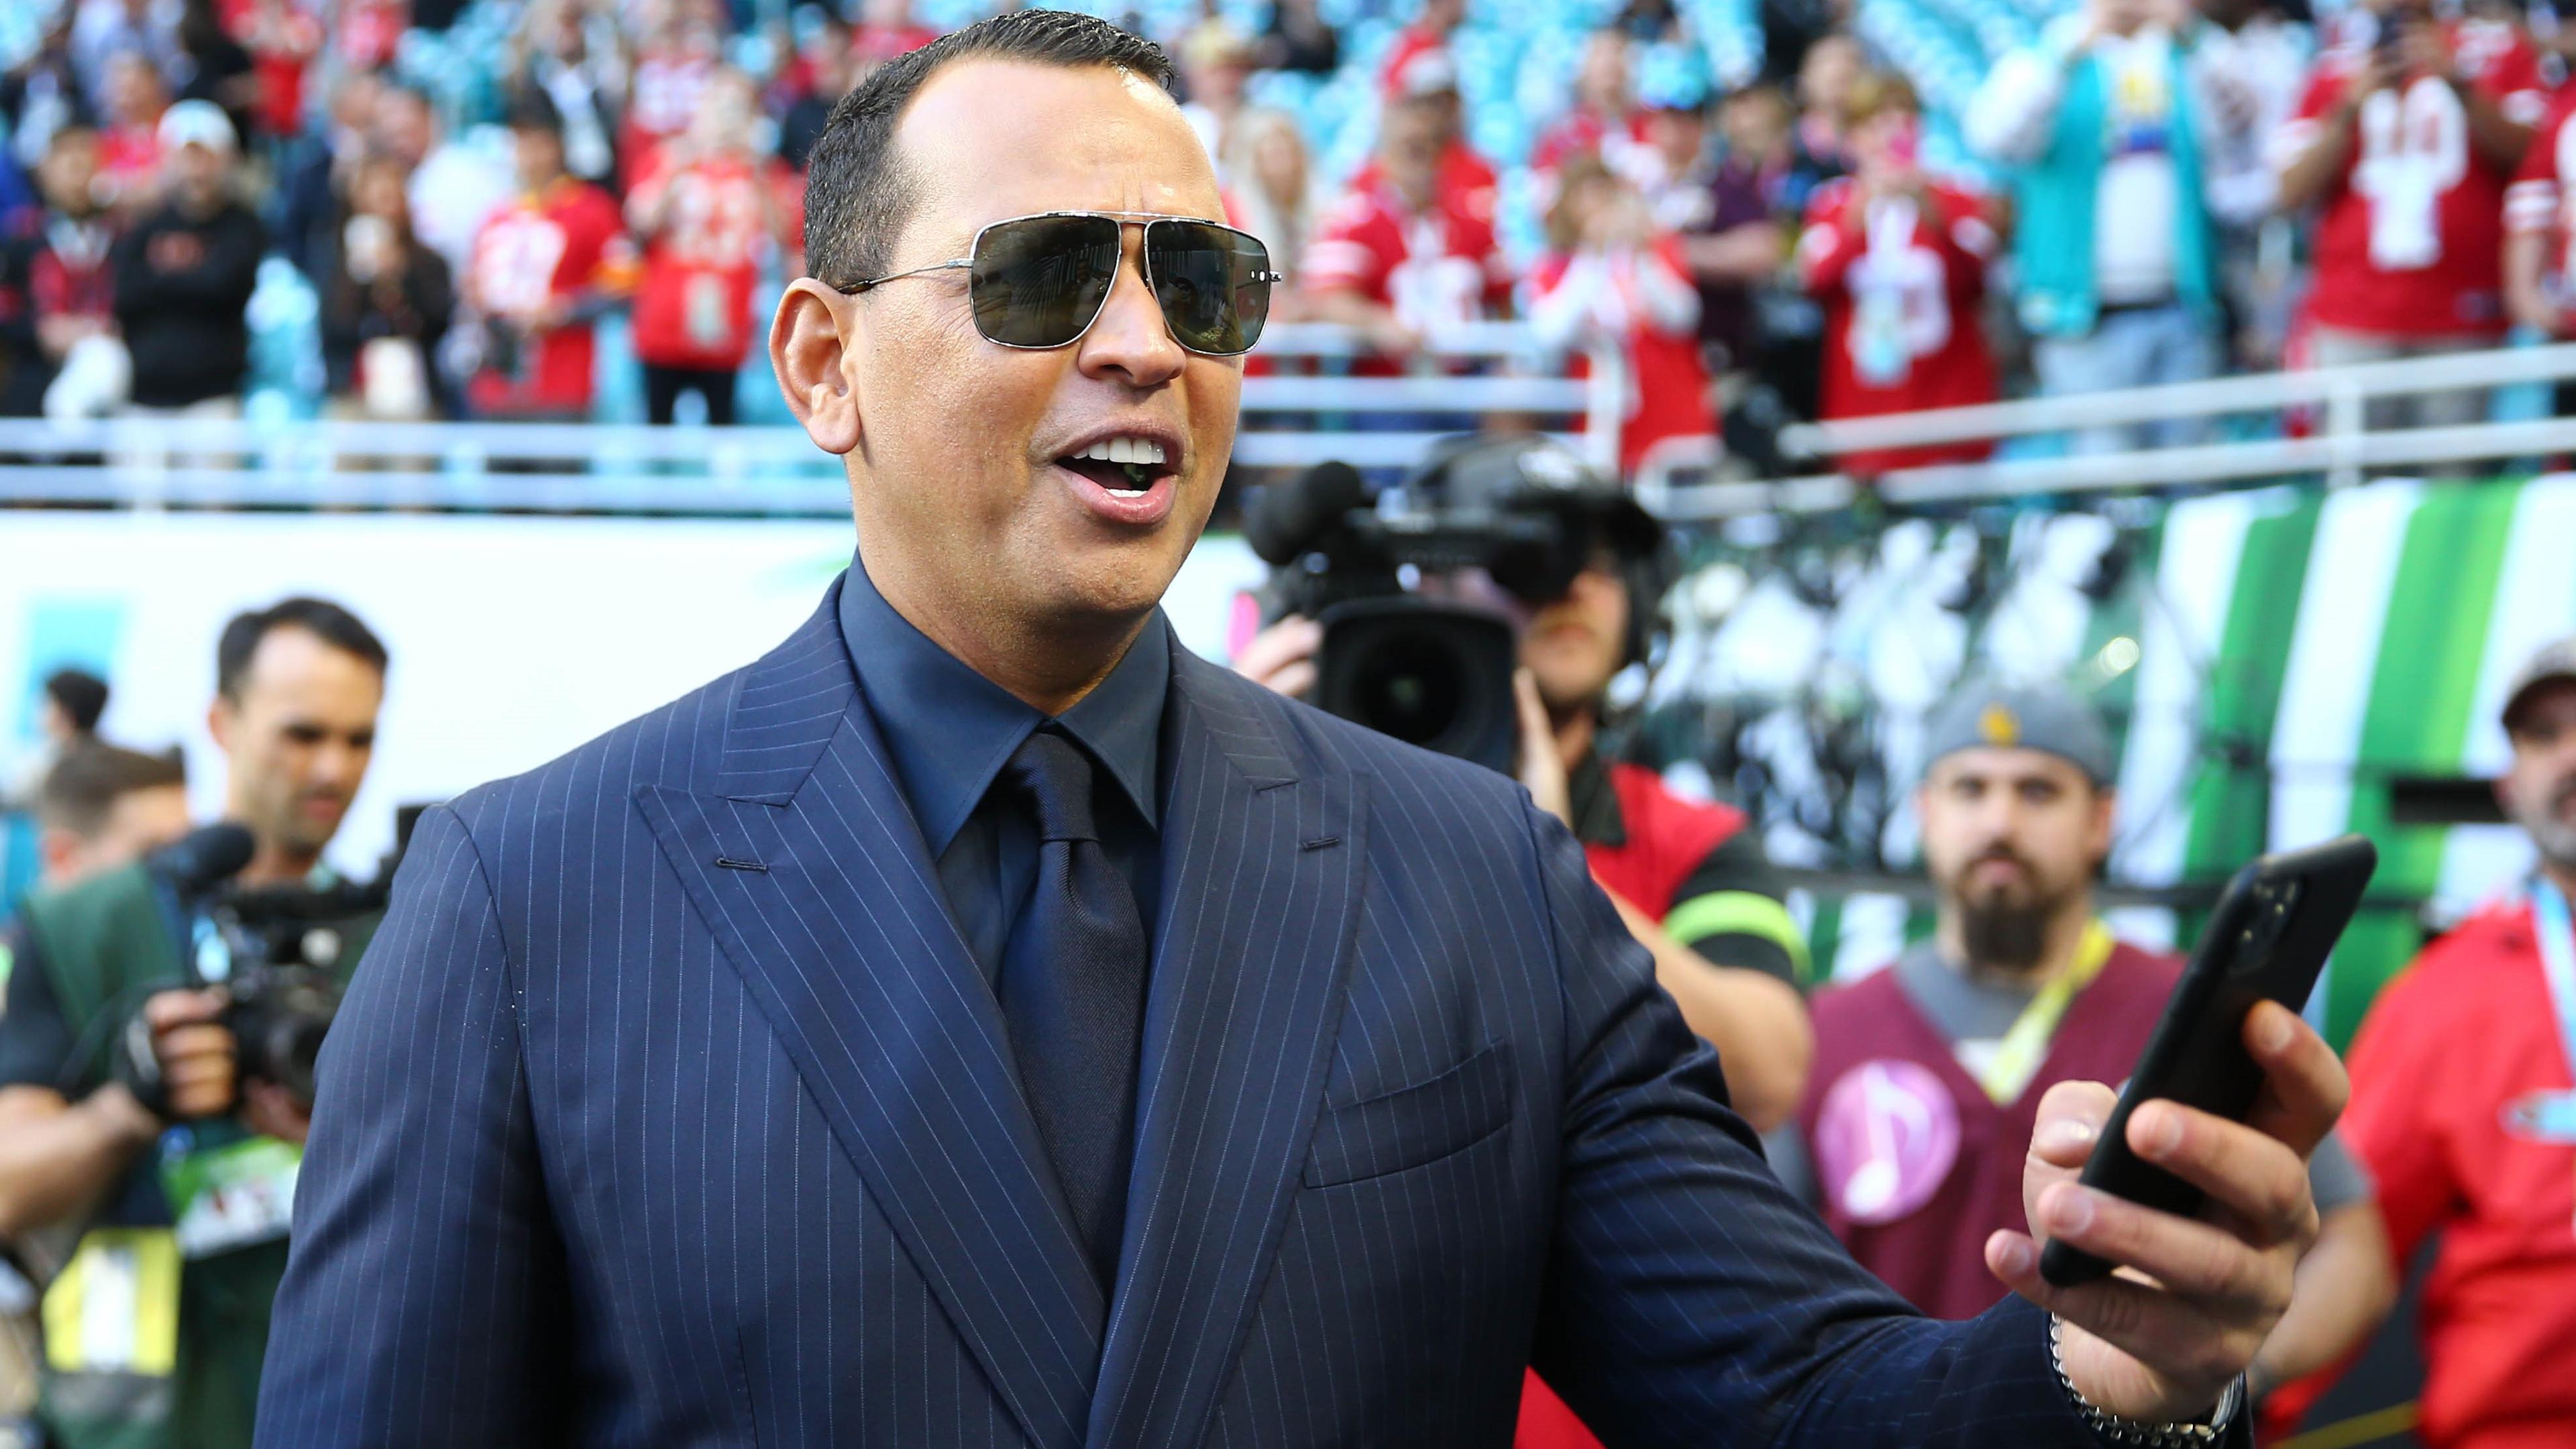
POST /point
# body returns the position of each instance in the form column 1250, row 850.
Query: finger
column 2304, row 1082
column 193, row 1042
column 2170, row 1336
column 2256, row 1177
column 2071, row 1117
column 1296, row 680
column 2194, row 1259
column 165, row 1009
column 1533, row 710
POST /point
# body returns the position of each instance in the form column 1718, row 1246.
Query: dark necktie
column 1073, row 993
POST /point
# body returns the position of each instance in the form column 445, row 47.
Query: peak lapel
column 843, row 937
column 1261, row 862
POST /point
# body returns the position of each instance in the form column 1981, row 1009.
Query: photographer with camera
column 1689, row 879
column 138, row 1113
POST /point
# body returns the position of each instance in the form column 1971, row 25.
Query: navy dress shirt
column 951, row 730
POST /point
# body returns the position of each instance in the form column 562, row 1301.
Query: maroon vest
column 1916, row 1165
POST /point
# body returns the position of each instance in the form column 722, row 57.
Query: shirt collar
column 951, row 730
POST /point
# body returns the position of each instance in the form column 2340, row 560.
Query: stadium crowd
column 2144, row 191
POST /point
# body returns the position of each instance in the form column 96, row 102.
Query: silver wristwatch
column 2148, row 1436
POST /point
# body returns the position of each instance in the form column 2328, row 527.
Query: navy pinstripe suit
column 669, row 1109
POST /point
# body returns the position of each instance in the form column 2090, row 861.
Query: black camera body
column 1434, row 673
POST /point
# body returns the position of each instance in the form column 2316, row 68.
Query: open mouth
column 1123, row 467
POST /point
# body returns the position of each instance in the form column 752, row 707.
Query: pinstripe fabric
column 669, row 1109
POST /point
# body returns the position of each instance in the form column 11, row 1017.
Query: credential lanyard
column 2550, row 922
column 2025, row 1043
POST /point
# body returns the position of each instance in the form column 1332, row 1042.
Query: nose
column 1129, row 342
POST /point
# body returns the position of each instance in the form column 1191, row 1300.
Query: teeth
column 1124, row 450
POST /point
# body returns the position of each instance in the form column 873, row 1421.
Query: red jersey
column 2453, row 1045
column 693, row 304
column 280, row 53
column 1616, row 140
column 1648, row 303
column 129, row 158
column 1901, row 299
column 1435, row 267
column 664, row 95
column 2410, row 237
column 2539, row 199
column 540, row 249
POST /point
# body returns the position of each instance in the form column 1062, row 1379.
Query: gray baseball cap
column 2553, row 662
column 1989, row 715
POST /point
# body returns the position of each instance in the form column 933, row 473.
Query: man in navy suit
column 981, row 1022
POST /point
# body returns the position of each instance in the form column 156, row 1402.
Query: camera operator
column 179, row 1245
column 1690, row 881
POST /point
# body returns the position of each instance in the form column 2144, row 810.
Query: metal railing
column 1288, row 421
column 2342, row 448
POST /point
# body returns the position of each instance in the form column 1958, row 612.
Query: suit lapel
column 1261, row 862
column 809, row 868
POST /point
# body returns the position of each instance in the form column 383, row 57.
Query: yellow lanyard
column 2025, row 1045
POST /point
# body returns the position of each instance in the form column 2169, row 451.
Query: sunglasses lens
column 1213, row 282
column 1038, row 281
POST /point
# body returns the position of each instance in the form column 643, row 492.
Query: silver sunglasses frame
column 1144, row 219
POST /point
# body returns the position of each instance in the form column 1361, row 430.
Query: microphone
column 1290, row 518
column 205, row 857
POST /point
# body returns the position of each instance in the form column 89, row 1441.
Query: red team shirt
column 556, row 244
column 2409, row 239
column 1901, row 300
column 2452, row 1044
column 693, row 306
column 1433, row 267
column 1667, row 382
column 2539, row 199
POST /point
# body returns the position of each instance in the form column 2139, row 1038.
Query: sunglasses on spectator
column 1037, row 282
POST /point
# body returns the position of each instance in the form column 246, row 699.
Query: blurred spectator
column 282, row 37
column 1400, row 256
column 2114, row 248
column 129, row 147
column 1430, row 33
column 705, row 220
column 313, row 169
column 214, row 67
column 1733, row 241
column 43, row 91
column 570, row 53
column 56, row 290
column 1899, row 262
column 1467, row 182
column 103, row 806
column 1215, row 61
column 1825, row 78
column 1298, row 39
column 368, row 32
column 1613, row 278
column 2539, row 237
column 106, row 29
column 454, row 187
column 2461, row 1103
column 75, row 700
column 2248, row 65
column 1603, row 121
column 184, row 274
column 680, row 52
column 2405, row 141
column 1274, row 194
column 386, row 304
column 544, row 268
column 821, row 76
column 886, row 30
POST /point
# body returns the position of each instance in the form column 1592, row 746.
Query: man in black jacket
column 184, row 275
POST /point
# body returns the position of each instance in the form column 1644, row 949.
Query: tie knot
column 1055, row 773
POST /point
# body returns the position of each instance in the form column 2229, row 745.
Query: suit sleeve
column 424, row 1271
column 1690, row 1299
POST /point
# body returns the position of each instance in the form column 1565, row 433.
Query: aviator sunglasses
column 1037, row 282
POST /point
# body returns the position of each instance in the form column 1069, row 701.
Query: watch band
column 2114, row 1429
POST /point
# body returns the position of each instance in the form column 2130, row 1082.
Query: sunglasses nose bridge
column 1131, row 332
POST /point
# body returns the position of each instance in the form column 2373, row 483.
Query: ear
column 806, row 352
column 2106, row 808
column 219, row 723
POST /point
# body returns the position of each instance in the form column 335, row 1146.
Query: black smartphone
column 2266, row 941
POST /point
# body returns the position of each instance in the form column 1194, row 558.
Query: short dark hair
column 858, row 193
column 320, row 618
column 85, row 784
column 531, row 109
column 80, row 695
